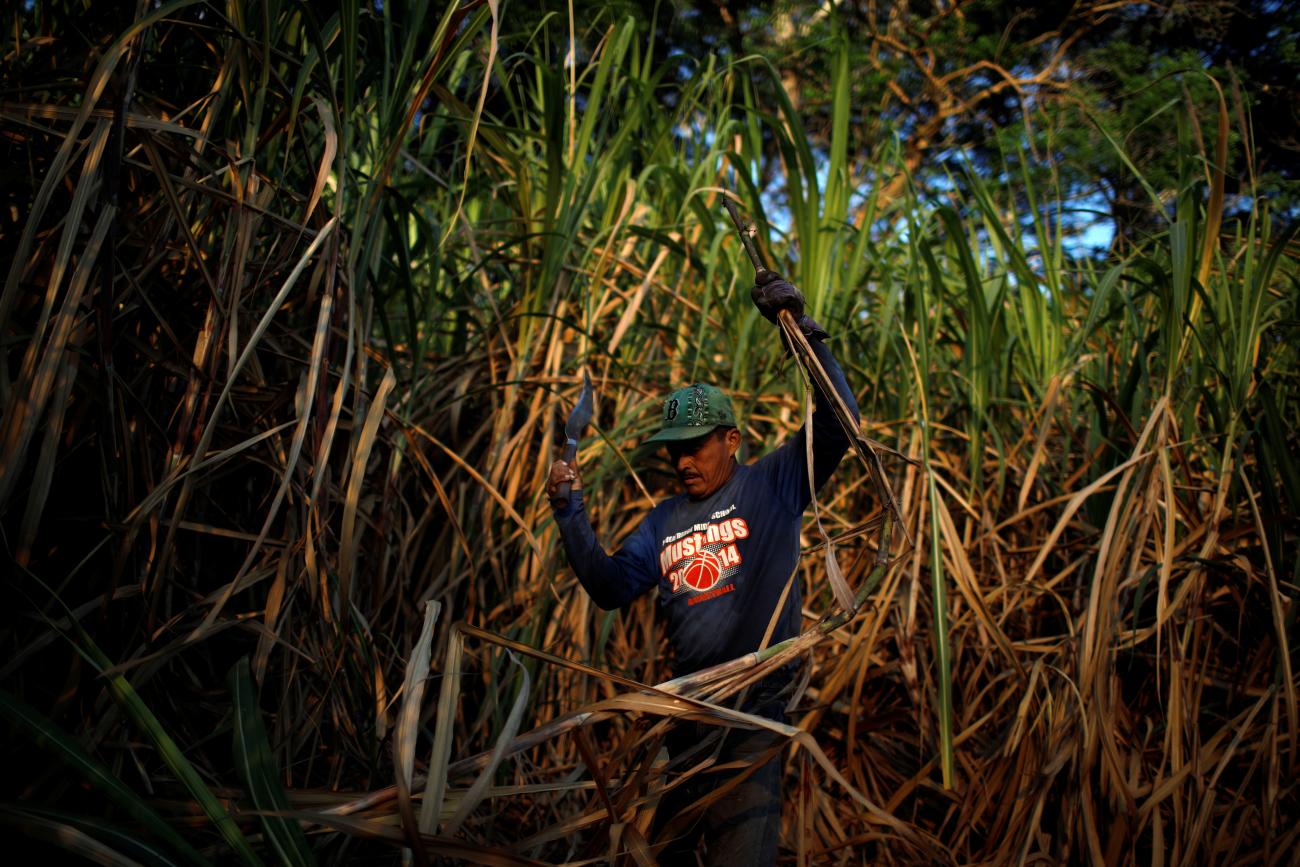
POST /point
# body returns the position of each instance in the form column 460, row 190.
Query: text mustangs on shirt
column 700, row 557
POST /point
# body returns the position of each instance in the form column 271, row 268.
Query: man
column 721, row 554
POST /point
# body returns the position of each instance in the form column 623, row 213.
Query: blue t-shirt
column 720, row 563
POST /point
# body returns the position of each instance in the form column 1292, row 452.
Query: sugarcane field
column 650, row 433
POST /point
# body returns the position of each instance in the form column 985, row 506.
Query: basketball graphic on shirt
column 703, row 571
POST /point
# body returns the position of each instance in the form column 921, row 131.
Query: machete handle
column 563, row 489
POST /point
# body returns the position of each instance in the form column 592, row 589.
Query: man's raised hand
column 561, row 473
column 772, row 293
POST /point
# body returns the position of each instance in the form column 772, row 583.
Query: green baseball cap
column 694, row 411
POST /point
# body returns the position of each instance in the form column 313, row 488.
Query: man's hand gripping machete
column 578, row 419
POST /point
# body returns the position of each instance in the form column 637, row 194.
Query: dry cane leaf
column 408, row 722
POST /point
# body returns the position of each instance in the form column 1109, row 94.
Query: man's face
column 705, row 463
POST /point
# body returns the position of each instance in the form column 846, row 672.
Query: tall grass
column 296, row 306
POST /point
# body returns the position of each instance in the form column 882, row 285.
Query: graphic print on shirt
column 704, row 556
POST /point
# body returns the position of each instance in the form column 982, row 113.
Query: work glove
column 772, row 293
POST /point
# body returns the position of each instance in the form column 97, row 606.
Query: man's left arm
column 788, row 465
column 830, row 441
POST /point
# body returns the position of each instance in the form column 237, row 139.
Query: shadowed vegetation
column 297, row 302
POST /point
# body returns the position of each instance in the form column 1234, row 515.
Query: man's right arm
column 611, row 582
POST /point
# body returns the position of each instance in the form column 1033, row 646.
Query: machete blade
column 578, row 419
column 581, row 415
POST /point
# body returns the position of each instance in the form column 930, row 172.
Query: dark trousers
column 743, row 826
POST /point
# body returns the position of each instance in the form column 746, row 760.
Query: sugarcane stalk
column 690, row 685
column 687, row 686
column 808, row 360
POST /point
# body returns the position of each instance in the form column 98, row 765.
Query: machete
column 747, row 232
column 578, row 419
